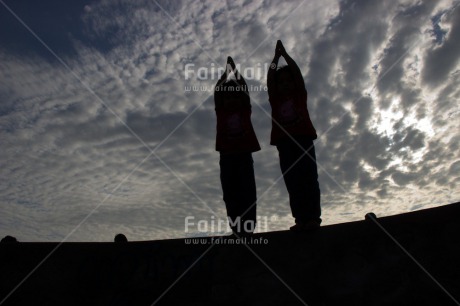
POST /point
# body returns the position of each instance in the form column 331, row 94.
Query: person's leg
column 228, row 179
column 248, row 193
column 239, row 190
column 301, row 178
column 311, row 184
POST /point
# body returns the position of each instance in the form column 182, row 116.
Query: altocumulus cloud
column 383, row 85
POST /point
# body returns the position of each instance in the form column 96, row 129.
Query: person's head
column 284, row 80
column 120, row 238
column 232, row 95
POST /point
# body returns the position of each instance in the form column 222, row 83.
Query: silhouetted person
column 120, row 238
column 293, row 134
column 8, row 239
column 236, row 140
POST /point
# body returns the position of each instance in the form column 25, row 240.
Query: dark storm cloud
column 363, row 107
column 442, row 59
column 408, row 138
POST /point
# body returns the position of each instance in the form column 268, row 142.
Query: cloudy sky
column 101, row 131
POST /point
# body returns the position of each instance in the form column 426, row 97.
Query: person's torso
column 235, row 132
column 290, row 116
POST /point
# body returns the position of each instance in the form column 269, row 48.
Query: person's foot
column 305, row 226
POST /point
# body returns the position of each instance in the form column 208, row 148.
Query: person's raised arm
column 239, row 78
column 293, row 68
column 272, row 70
column 219, row 88
column 241, row 82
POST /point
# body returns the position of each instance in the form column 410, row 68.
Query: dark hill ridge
column 353, row 263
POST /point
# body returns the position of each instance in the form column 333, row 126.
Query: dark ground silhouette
column 344, row 264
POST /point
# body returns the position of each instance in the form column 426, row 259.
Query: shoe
column 305, row 226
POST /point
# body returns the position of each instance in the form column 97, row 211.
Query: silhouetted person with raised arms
column 293, row 134
column 236, row 140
